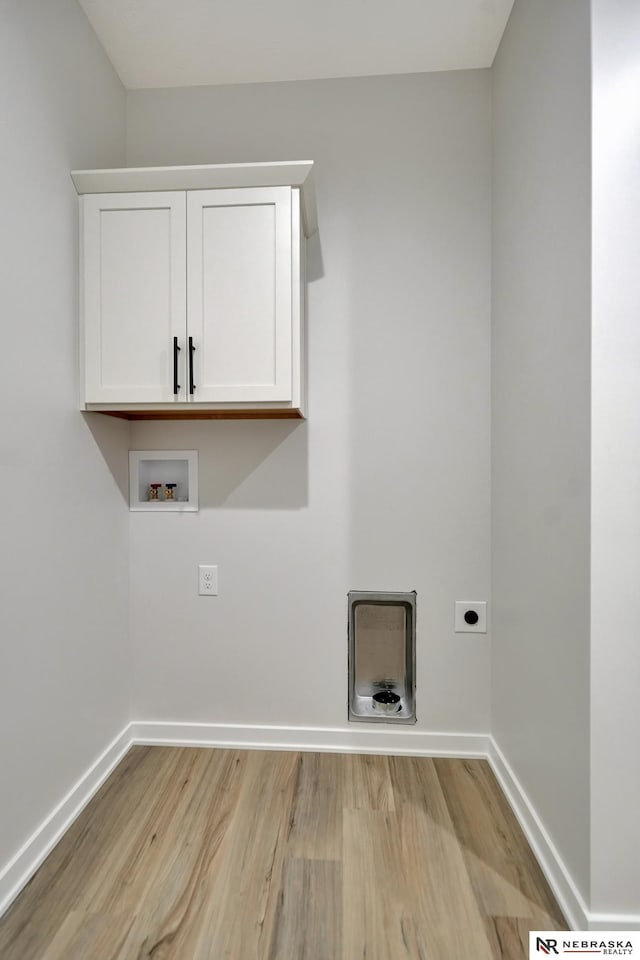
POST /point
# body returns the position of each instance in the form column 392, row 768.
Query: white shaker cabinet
column 192, row 300
column 239, row 294
column 133, row 294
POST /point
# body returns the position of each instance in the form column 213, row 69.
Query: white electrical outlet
column 207, row 580
column 470, row 616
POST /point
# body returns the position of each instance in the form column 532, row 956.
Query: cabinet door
column 239, row 293
column 134, row 296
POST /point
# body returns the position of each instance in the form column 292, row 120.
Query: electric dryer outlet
column 470, row 616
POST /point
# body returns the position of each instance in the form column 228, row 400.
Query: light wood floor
column 195, row 854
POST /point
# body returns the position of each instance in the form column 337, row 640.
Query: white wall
column 64, row 544
column 615, row 507
column 540, row 414
column 386, row 486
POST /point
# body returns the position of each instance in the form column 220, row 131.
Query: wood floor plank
column 170, row 895
column 435, row 865
column 198, row 854
column 308, row 924
column 243, row 884
column 315, row 830
column 509, row 937
column 43, row 904
column 374, row 912
column 367, row 783
column 161, row 821
column 84, row 935
column 506, row 877
column 420, row 877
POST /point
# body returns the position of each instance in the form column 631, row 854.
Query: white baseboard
column 17, row 873
column 553, row 867
column 614, row 921
column 393, row 742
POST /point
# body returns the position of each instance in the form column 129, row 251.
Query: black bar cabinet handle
column 192, row 350
column 176, row 351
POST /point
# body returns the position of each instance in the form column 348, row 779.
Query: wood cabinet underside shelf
column 203, row 414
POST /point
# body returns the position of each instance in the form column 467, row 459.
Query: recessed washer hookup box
column 382, row 656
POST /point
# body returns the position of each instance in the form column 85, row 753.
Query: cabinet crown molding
column 294, row 173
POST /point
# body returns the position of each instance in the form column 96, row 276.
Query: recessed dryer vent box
column 172, row 475
column 382, row 657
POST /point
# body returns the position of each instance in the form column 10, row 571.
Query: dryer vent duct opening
column 382, row 656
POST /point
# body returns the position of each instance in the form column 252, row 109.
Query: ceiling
column 176, row 43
